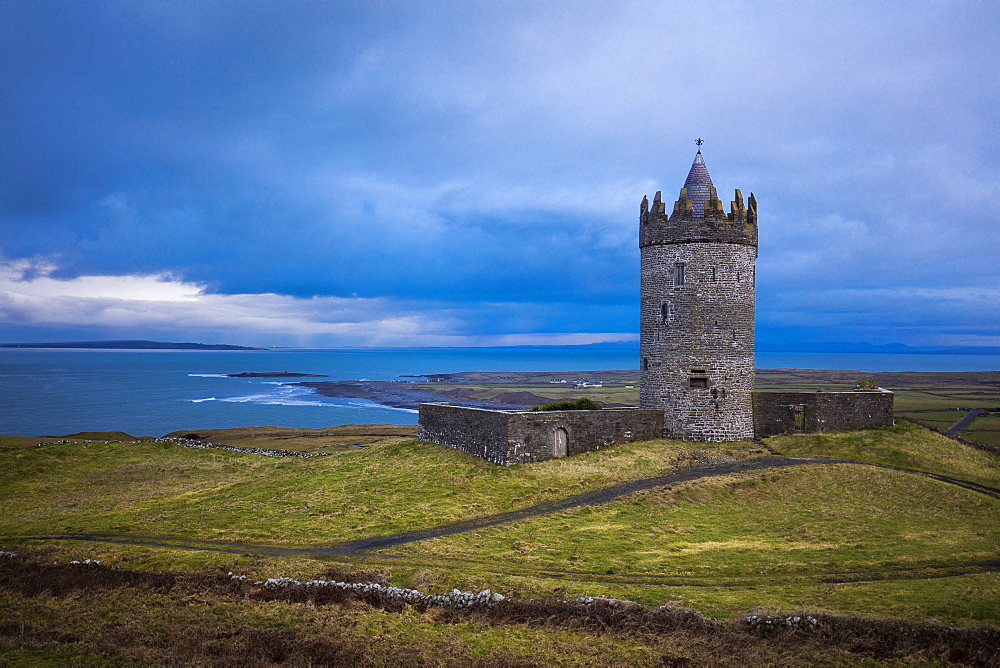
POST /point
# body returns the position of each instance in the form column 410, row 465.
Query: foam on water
column 372, row 404
column 271, row 400
column 280, row 395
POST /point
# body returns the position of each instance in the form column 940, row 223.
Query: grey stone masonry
column 519, row 437
column 815, row 412
column 696, row 331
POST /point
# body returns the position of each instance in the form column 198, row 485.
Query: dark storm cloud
column 486, row 161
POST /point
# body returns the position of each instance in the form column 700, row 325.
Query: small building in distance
column 696, row 333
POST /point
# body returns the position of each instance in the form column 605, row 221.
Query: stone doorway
column 799, row 415
column 560, row 442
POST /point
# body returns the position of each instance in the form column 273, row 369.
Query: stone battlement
column 694, row 220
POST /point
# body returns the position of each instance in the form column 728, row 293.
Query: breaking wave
column 375, row 404
column 271, row 399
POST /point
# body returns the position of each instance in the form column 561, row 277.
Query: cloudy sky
column 469, row 173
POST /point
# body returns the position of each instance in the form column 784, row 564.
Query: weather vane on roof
column 699, row 141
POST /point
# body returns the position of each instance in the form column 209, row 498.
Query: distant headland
column 128, row 345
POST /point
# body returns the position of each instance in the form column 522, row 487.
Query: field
column 892, row 535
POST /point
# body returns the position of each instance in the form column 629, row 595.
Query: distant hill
column 128, row 345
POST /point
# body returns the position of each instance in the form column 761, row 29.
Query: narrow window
column 679, row 274
column 666, row 311
column 738, row 277
column 713, row 274
column 645, row 364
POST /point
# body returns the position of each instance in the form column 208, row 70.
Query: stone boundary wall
column 478, row 431
column 815, row 412
column 519, row 437
column 531, row 434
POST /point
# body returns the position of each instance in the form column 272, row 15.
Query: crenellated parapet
column 698, row 220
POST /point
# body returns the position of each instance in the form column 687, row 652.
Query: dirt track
column 366, row 546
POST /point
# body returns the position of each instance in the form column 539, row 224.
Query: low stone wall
column 519, row 437
column 815, row 412
column 531, row 435
column 478, row 431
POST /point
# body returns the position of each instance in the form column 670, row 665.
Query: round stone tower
column 697, row 314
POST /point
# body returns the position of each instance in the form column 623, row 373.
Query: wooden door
column 560, row 442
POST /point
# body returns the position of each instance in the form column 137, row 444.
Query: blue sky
column 469, row 173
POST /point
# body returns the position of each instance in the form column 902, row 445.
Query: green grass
column 331, row 439
column 985, row 429
column 816, row 520
column 92, row 618
column 906, row 445
column 163, row 489
column 781, row 531
column 768, row 540
column 937, row 419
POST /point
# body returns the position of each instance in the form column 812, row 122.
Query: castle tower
column 697, row 315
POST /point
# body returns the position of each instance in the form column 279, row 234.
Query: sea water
column 153, row 392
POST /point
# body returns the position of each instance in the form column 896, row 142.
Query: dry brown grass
column 98, row 615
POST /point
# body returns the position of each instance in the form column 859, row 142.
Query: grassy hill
column 842, row 539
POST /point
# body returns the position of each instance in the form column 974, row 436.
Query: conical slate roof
column 698, row 186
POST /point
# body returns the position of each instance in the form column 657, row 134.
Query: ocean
column 54, row 392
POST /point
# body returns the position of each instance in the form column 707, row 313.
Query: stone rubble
column 767, row 622
column 267, row 452
column 469, row 600
column 453, row 599
column 200, row 445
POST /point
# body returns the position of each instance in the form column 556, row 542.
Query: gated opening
column 799, row 414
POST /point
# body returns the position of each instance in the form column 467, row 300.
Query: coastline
column 403, row 395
